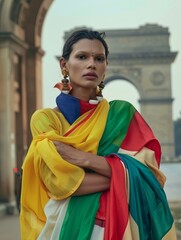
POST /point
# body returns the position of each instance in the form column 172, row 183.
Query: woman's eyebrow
column 85, row 52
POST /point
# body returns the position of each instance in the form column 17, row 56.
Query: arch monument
column 143, row 57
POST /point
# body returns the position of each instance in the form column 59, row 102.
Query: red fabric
column 113, row 203
column 139, row 134
column 85, row 107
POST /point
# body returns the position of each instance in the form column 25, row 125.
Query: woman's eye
column 82, row 57
column 100, row 59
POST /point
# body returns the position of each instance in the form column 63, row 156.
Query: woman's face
column 86, row 64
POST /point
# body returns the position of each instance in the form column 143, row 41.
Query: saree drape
column 115, row 128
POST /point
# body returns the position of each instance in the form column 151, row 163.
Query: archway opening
column 121, row 89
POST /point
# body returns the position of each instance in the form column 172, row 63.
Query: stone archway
column 118, row 87
column 143, row 57
column 20, row 80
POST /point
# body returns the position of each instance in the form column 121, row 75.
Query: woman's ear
column 62, row 63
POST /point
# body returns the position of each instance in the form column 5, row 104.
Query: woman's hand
column 82, row 159
column 70, row 154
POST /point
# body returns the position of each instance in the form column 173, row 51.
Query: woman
column 91, row 171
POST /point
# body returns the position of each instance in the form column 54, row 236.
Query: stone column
column 33, row 82
column 7, row 130
column 156, row 105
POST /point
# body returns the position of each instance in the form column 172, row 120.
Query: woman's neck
column 83, row 94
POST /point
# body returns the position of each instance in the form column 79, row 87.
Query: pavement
column 9, row 224
column 9, row 227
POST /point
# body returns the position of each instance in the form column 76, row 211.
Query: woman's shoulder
column 43, row 120
column 121, row 104
column 45, row 113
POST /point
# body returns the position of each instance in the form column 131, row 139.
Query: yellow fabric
column 45, row 173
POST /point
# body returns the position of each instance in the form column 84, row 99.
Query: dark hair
column 83, row 34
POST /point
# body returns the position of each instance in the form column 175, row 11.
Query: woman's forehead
column 89, row 45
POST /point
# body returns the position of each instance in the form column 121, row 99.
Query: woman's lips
column 90, row 76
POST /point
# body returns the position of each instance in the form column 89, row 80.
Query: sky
column 109, row 14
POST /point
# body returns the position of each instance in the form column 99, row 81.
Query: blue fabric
column 69, row 106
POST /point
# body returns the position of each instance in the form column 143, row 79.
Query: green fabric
column 118, row 121
column 121, row 112
column 80, row 217
column 147, row 201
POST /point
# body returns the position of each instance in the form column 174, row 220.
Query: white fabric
column 55, row 212
column 98, row 233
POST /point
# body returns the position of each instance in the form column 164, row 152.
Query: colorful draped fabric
column 135, row 207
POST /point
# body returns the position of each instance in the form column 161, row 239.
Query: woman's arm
column 82, row 159
column 92, row 183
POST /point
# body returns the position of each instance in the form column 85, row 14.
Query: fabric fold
column 135, row 192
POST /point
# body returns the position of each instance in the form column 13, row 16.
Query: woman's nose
column 91, row 63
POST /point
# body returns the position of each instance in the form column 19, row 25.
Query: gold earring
column 99, row 95
column 64, row 86
column 65, row 82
